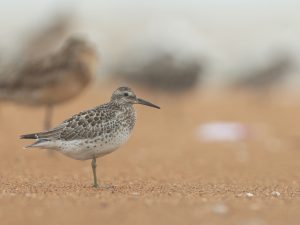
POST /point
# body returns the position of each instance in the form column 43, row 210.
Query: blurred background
column 224, row 146
column 223, row 41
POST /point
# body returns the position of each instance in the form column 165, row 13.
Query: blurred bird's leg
column 48, row 117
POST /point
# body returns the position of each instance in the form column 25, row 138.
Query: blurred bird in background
column 52, row 79
column 270, row 74
column 168, row 56
column 164, row 72
column 48, row 36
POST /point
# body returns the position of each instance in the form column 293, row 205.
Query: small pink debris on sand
column 223, row 131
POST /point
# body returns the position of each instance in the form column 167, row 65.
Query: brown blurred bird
column 52, row 79
column 48, row 36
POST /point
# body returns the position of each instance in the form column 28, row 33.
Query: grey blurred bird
column 267, row 76
column 165, row 72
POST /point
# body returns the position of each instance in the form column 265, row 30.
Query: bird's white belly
column 84, row 149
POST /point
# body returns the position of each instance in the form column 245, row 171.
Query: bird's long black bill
column 144, row 102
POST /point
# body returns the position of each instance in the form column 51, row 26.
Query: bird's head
column 124, row 95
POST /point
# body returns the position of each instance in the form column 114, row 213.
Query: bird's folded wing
column 87, row 124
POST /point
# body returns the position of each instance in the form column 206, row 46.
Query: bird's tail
column 29, row 136
column 46, row 139
column 40, row 143
column 41, row 140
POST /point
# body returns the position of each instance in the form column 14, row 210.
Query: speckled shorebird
column 95, row 132
column 52, row 79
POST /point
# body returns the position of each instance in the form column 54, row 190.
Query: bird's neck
column 126, row 113
column 123, row 106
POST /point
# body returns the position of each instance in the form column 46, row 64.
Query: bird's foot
column 108, row 186
column 96, row 186
column 104, row 186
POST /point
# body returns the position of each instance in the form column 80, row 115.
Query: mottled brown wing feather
column 87, row 124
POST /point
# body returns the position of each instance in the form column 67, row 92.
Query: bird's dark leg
column 94, row 165
column 48, row 117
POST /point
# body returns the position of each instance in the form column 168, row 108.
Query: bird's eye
column 126, row 94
